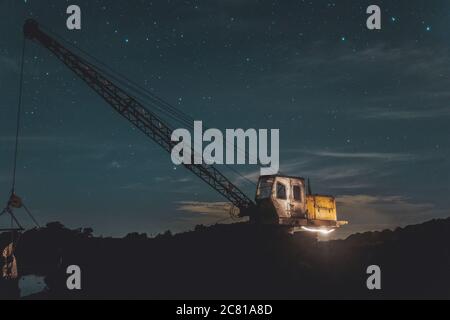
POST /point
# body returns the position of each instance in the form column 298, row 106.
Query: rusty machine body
column 284, row 200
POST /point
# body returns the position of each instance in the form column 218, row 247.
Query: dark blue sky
column 364, row 114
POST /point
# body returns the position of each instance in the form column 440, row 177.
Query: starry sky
column 364, row 114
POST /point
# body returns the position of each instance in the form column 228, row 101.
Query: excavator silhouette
column 280, row 200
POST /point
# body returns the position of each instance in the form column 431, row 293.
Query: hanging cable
column 153, row 101
column 31, row 216
column 12, row 246
column 19, row 111
column 14, row 201
column 157, row 102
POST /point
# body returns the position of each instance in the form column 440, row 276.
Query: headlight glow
column 321, row 231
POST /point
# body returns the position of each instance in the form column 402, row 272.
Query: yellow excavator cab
column 283, row 200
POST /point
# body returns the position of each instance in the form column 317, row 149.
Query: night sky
column 364, row 114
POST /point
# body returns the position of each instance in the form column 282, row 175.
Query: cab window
column 264, row 189
column 297, row 193
column 281, row 191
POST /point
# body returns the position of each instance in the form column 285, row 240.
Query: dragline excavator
column 280, row 200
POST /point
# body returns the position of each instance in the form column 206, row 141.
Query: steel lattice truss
column 132, row 110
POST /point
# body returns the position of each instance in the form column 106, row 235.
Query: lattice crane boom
column 132, row 110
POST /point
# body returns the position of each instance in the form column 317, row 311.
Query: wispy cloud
column 288, row 166
column 206, row 213
column 338, row 172
column 215, row 209
column 319, row 170
column 340, row 169
column 405, row 114
column 137, row 186
column 407, row 59
column 412, row 81
column 311, row 168
column 172, row 179
column 364, row 155
column 353, row 185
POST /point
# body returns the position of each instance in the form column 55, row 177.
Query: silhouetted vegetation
column 239, row 261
